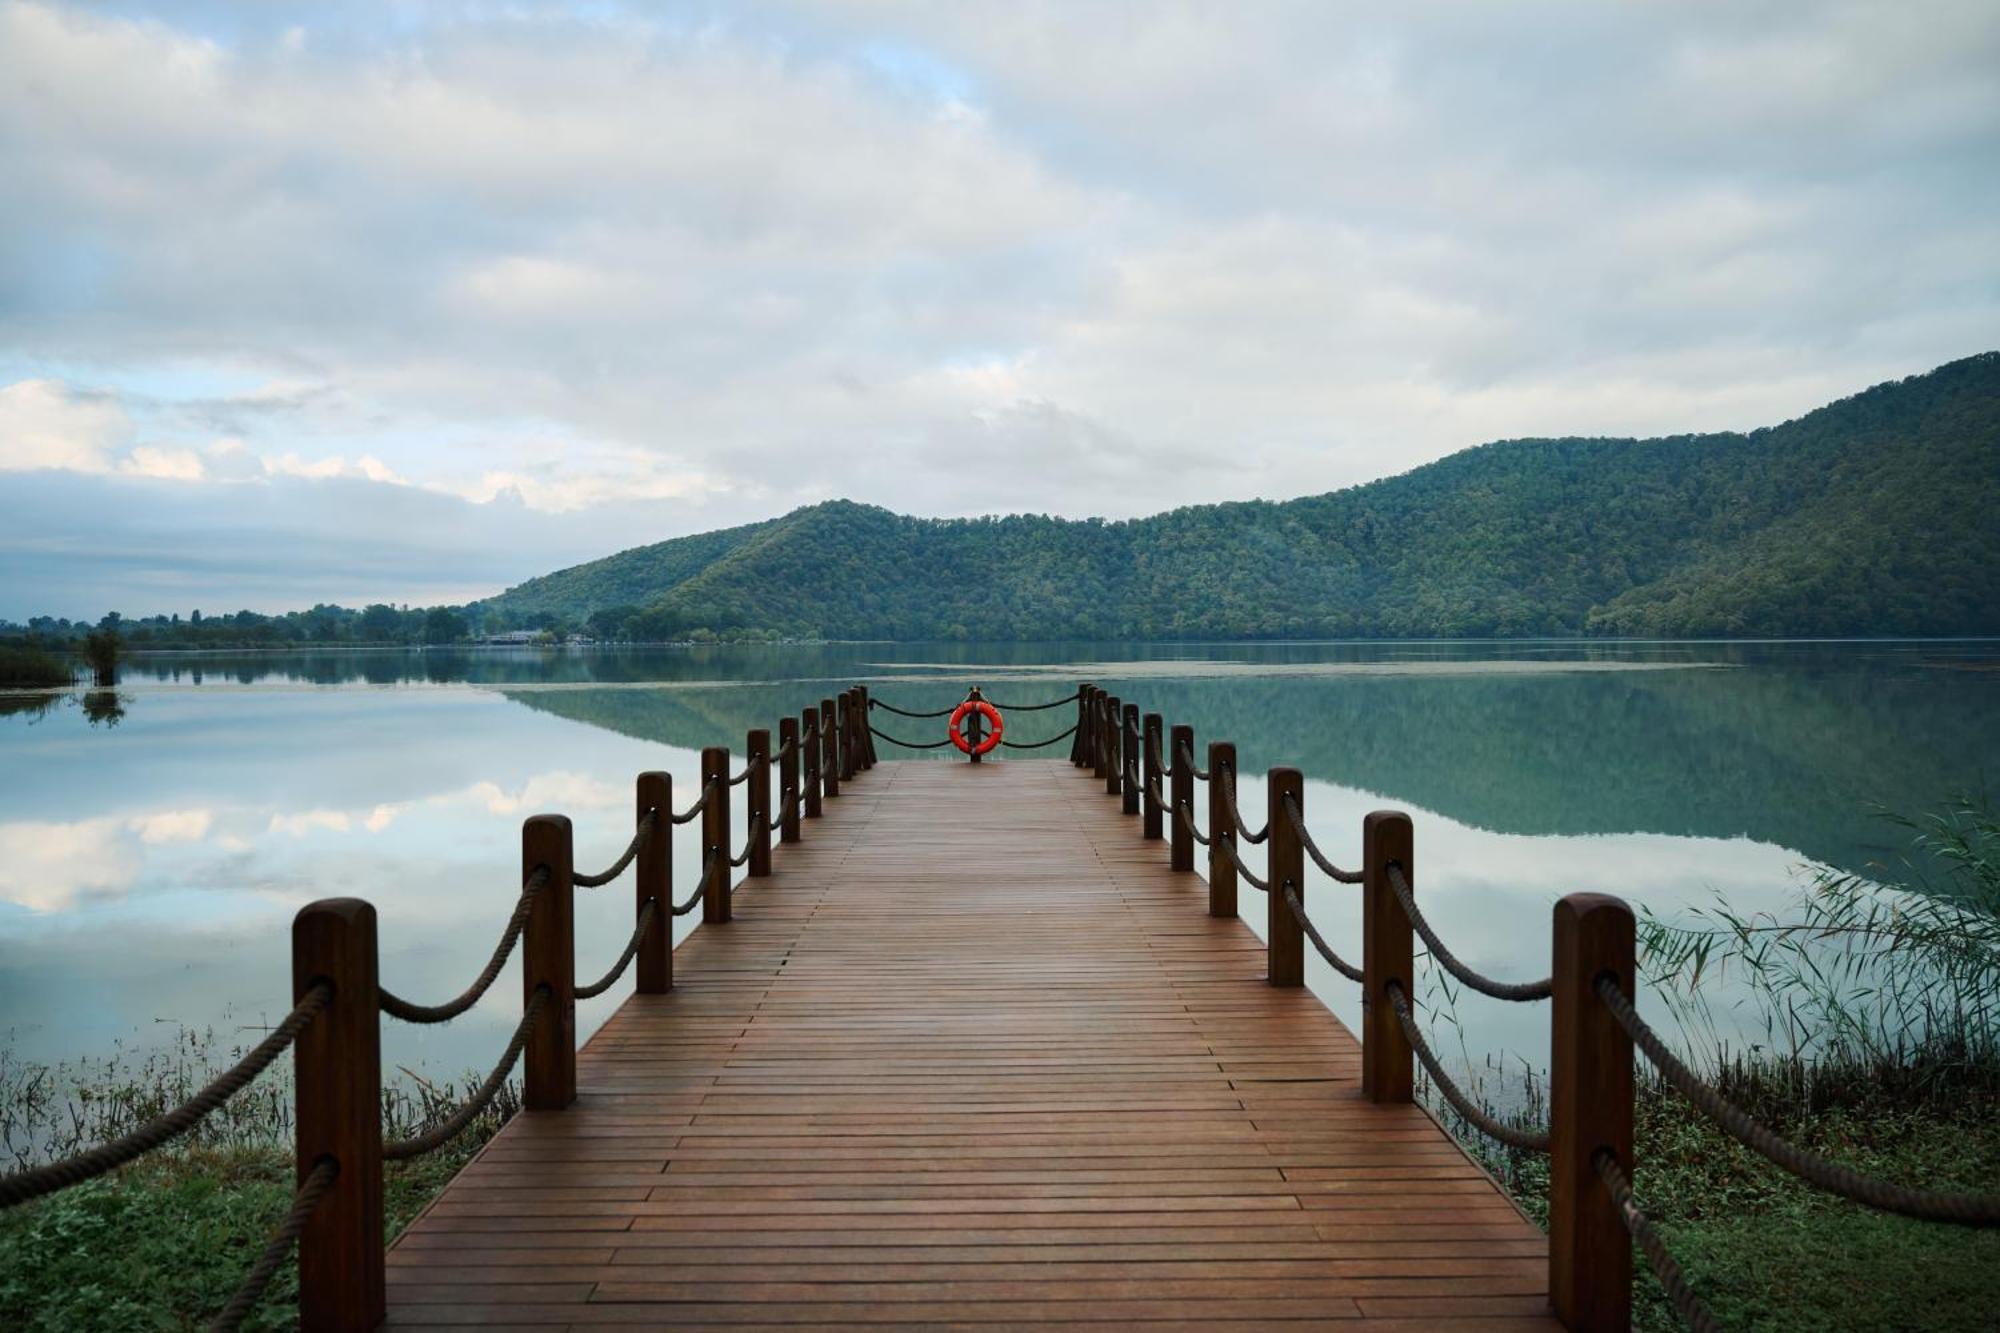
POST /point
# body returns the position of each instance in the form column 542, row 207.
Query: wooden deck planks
column 971, row 1056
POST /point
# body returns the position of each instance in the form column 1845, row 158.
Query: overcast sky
column 368, row 302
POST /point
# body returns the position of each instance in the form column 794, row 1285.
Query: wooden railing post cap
column 547, row 823
column 1376, row 819
column 347, row 911
column 1579, row 908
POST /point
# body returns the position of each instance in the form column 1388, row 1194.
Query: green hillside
column 1878, row 514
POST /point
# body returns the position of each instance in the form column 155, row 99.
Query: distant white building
column 513, row 636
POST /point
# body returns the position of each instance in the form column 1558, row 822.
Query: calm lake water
column 151, row 859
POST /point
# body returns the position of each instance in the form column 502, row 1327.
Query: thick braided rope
column 409, row 1011
column 1686, row 1304
column 873, row 702
column 1037, row 745
column 1479, row 981
column 1229, row 845
column 700, row 888
column 251, row 1290
column 1033, row 708
column 37, row 1181
column 762, row 822
column 1971, row 1210
column 1243, row 829
column 1339, row 964
column 454, row 1125
column 605, row 982
column 1525, row 1140
column 910, row 745
column 744, row 776
column 617, row 868
column 1333, row 872
column 786, row 747
column 1186, row 757
column 689, row 815
column 1185, row 814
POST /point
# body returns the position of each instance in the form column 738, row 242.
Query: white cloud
column 303, row 822
column 44, row 424
column 173, row 826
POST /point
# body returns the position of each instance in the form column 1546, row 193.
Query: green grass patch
column 1766, row 1251
column 163, row 1243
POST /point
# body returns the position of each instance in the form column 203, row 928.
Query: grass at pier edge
column 163, row 1243
column 1883, row 1054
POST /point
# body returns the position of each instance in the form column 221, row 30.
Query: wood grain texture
column 972, row 1054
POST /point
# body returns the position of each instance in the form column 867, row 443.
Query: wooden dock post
column 337, row 1062
column 1590, row 1111
column 1285, row 940
column 1129, row 761
column 757, row 804
column 653, row 881
column 1180, row 794
column 1387, row 955
column 715, row 834
column 811, row 769
column 1154, row 828
column 829, row 748
column 548, row 958
column 850, row 752
column 1221, row 870
column 788, row 779
column 862, row 736
column 1114, row 754
column 1085, row 752
column 1078, row 742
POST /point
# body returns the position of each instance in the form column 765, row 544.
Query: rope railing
column 454, row 1124
column 279, row 1247
column 1236, row 815
column 693, row 901
column 693, row 812
column 617, row 868
column 759, row 824
column 1185, row 814
column 1479, row 981
column 605, row 982
column 1972, row 1210
column 1339, row 964
column 1681, row 1296
column 92, row 1162
column 1332, row 871
column 888, row 707
column 1185, row 756
column 1228, row 844
column 1069, row 698
column 1536, row 1141
column 410, row 1011
column 1037, row 745
column 910, row 745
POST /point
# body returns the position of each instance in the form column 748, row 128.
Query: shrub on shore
column 31, row 668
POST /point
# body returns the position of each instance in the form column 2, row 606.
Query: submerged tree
column 101, row 649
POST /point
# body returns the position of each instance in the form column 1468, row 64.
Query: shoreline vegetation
column 1879, row 999
column 164, row 1242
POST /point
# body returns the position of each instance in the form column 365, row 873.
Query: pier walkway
column 971, row 1054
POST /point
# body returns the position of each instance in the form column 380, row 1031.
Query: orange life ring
column 992, row 716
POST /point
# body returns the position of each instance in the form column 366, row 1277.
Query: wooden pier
column 971, row 1054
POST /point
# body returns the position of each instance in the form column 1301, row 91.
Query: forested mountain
column 1878, row 514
